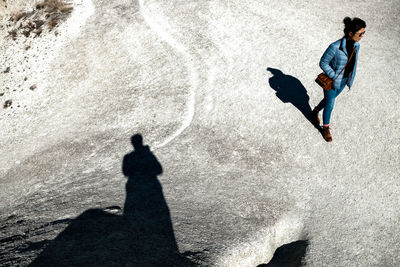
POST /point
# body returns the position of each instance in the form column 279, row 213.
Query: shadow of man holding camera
column 145, row 206
column 140, row 234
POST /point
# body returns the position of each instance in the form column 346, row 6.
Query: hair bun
column 347, row 21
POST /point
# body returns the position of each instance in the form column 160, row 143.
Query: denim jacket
column 335, row 58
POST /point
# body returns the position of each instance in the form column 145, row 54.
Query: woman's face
column 356, row 37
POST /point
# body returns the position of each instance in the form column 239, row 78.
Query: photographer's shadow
column 142, row 235
column 145, row 206
column 290, row 90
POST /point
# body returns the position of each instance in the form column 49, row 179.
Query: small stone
column 26, row 78
column 7, row 70
column 26, row 33
column 30, row 25
column 37, row 32
column 1, row 94
column 38, row 23
column 40, row 6
column 7, row 104
column 33, row 87
column 13, row 34
column 52, row 23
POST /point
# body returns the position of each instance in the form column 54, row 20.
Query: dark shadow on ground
column 290, row 90
column 140, row 235
column 288, row 255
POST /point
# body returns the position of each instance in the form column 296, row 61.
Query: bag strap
column 346, row 63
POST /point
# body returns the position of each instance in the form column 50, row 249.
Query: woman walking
column 332, row 63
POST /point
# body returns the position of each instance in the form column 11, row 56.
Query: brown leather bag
column 325, row 82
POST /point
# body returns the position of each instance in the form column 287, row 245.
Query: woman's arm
column 326, row 59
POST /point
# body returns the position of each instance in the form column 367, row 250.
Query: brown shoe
column 326, row 134
column 314, row 117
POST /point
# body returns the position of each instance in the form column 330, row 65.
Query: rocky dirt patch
column 23, row 23
column 45, row 15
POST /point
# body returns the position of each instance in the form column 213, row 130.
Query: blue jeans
column 329, row 101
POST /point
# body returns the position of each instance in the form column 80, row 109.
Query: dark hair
column 353, row 25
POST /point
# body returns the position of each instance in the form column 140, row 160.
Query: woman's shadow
column 141, row 236
column 290, row 90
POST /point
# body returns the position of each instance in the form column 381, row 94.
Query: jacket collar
column 343, row 45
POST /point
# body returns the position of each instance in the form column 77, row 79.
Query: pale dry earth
column 244, row 171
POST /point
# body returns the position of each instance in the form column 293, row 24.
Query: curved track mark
column 156, row 24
